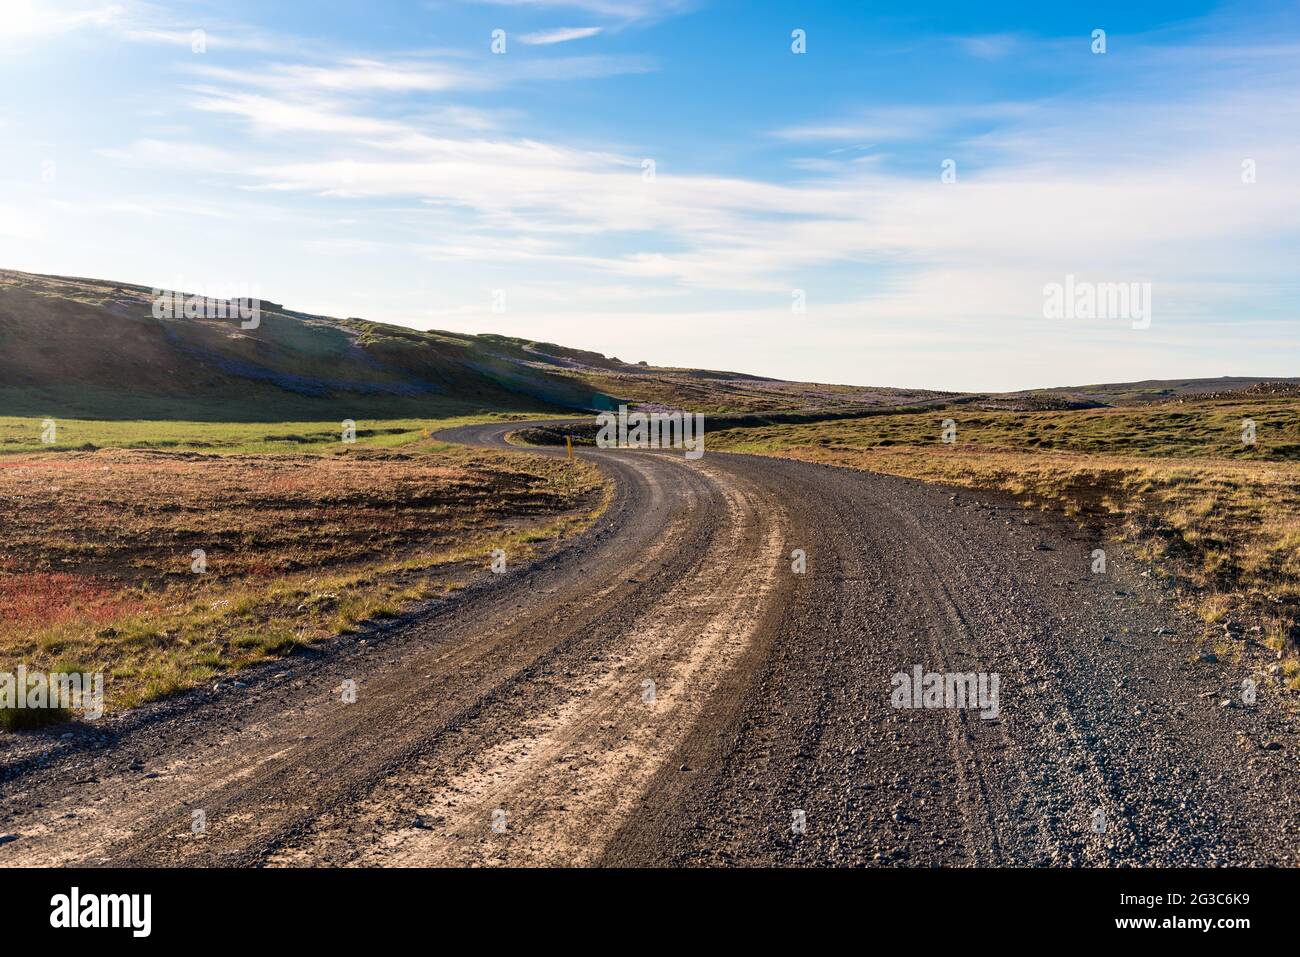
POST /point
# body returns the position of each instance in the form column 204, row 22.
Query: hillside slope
column 94, row 349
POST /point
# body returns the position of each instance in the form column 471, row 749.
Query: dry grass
column 96, row 563
column 1221, row 519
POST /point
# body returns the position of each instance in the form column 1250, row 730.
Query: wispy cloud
column 138, row 21
column 898, row 123
column 26, row 19
column 1003, row 217
column 560, row 35
column 988, row 46
column 1003, row 220
column 368, row 75
column 355, row 77
column 622, row 10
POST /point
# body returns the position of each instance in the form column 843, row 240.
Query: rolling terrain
column 430, row 637
column 511, row 724
column 84, row 348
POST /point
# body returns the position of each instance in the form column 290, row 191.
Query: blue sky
column 378, row 159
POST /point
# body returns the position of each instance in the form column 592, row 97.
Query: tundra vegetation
column 302, row 537
column 1214, row 518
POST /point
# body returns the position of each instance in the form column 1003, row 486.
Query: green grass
column 21, row 434
column 156, row 636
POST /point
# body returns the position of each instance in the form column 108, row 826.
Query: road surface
column 667, row 689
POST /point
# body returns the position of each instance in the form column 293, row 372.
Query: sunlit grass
column 96, row 563
column 24, row 434
column 1175, row 481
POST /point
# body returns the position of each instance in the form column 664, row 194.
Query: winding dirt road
column 667, row 690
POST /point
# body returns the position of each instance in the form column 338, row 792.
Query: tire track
column 562, row 777
column 772, row 692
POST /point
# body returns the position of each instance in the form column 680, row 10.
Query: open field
column 98, row 562
column 1219, row 519
column 1204, row 429
column 637, row 701
column 24, row 434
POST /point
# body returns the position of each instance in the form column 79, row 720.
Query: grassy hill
column 93, row 349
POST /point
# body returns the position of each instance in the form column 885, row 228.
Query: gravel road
column 667, row 689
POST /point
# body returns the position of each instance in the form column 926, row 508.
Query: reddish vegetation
column 91, row 537
column 54, row 598
column 130, row 517
column 96, row 557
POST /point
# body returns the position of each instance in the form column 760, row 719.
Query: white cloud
column 1044, row 201
column 560, row 35
column 176, row 154
column 25, row 19
column 893, row 123
column 356, row 78
column 370, row 76
column 139, row 21
column 627, row 10
column 989, row 46
column 275, row 114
